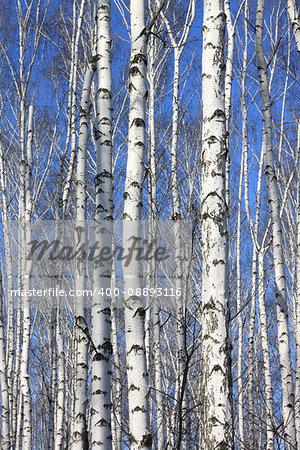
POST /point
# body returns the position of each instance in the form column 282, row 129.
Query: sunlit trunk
column 216, row 431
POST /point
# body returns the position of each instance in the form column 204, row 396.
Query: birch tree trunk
column 288, row 412
column 80, row 435
column 138, row 401
column 23, row 325
column 240, row 312
column 101, row 307
column 297, row 325
column 7, row 416
column 53, row 377
column 26, row 265
column 253, row 228
column 294, row 17
column 28, row 44
column 216, row 431
column 160, row 420
column 5, row 423
column 180, row 394
column 228, row 87
column 60, row 401
column 72, row 101
column 116, row 387
column 266, row 355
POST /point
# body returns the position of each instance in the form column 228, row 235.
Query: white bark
column 101, row 306
column 288, row 412
column 295, row 19
column 22, row 358
column 26, row 265
column 10, row 308
column 160, row 420
column 215, row 335
column 251, row 358
column 117, row 403
column 297, row 325
column 5, row 423
column 178, row 47
column 72, row 103
column 180, row 394
column 240, row 313
column 60, row 401
column 158, row 383
column 52, row 381
column 266, row 355
column 253, row 232
column 80, row 436
column 117, row 386
column 228, row 85
column 138, row 402
column 26, row 65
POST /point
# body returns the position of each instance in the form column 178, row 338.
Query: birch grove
column 150, row 224
column 282, row 313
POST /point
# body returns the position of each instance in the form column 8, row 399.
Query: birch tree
column 60, row 411
column 138, row 374
column 101, row 308
column 266, row 354
column 5, row 432
column 297, row 325
column 294, row 17
column 152, row 75
column 7, row 351
column 215, row 338
column 80, row 434
column 288, row 411
column 72, row 94
column 138, row 402
column 26, row 197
